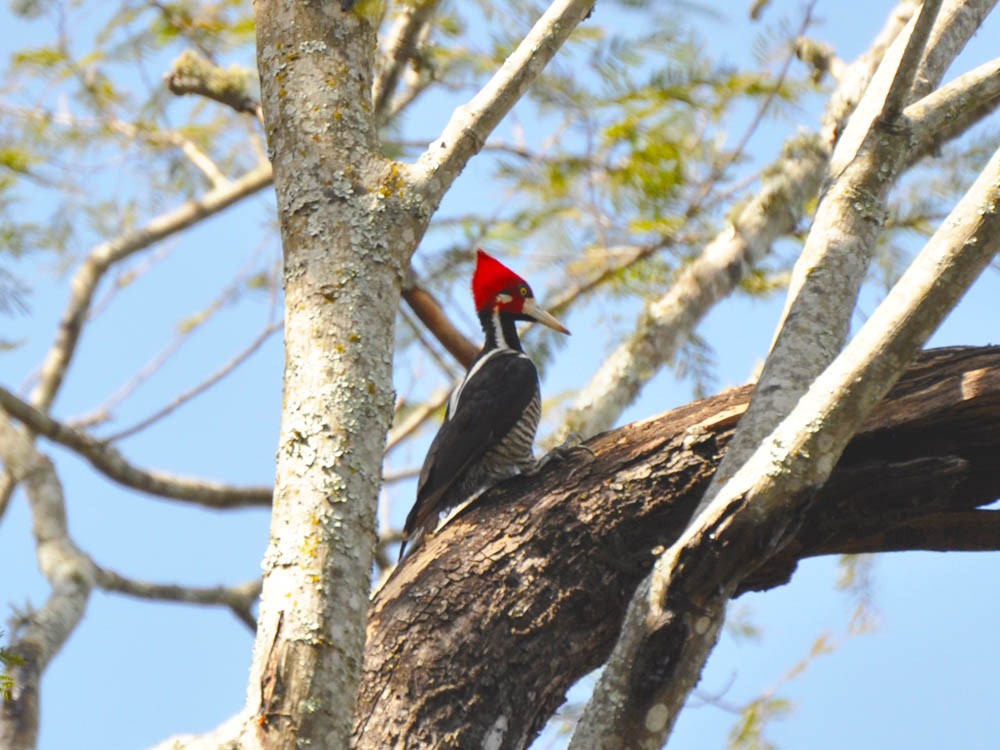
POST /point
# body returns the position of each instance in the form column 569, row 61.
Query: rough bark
column 865, row 165
column 474, row 641
column 675, row 616
column 342, row 285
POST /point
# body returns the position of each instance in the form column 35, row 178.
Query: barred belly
column 512, row 455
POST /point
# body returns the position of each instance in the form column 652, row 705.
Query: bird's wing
column 491, row 401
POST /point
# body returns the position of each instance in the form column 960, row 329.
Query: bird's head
column 496, row 287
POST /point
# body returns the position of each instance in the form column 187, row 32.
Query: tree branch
column 215, row 377
column 38, row 635
column 240, row 599
column 524, row 592
column 102, row 257
column 668, row 321
column 433, row 316
column 401, row 47
column 900, row 90
column 193, row 74
column 777, row 208
column 110, row 462
column 826, row 279
column 676, row 614
column 471, row 124
column 954, row 108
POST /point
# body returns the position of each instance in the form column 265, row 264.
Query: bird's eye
column 523, row 290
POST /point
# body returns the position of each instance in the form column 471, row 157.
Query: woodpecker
column 490, row 422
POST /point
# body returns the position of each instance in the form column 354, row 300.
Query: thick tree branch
column 110, row 462
column 472, row 123
column 826, row 279
column 776, row 209
column 524, row 592
column 676, row 614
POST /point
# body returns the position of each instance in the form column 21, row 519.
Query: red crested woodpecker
column 490, row 423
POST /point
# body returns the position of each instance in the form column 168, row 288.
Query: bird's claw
column 564, row 450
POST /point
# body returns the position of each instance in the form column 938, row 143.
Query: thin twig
column 211, row 380
column 229, row 294
column 240, row 598
column 106, row 254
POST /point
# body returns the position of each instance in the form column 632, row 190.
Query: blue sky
column 135, row 673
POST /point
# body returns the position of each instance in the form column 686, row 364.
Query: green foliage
column 7, row 660
column 748, row 732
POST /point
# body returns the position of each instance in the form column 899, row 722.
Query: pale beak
column 532, row 310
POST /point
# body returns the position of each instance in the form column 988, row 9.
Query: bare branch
column 193, row 74
column 776, row 210
column 202, row 161
column 102, row 257
column 826, row 279
column 38, row 635
column 203, row 386
column 954, row 108
column 899, row 92
column 471, row 124
column 185, row 330
column 956, row 23
column 401, row 47
column 667, row 322
column 854, row 81
column 433, row 316
column 676, row 614
column 110, row 462
column 240, row 598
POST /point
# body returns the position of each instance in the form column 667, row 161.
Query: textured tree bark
column 343, row 272
column 475, row 639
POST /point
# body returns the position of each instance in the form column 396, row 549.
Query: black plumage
column 487, row 438
column 489, row 426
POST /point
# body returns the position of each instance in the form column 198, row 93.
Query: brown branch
column 525, row 591
column 432, row 315
column 110, row 462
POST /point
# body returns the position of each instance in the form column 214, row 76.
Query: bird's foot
column 561, row 452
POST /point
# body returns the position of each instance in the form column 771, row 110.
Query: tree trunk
column 476, row 638
column 342, row 287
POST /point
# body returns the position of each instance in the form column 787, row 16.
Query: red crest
column 491, row 278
